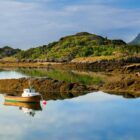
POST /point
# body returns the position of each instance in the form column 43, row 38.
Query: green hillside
column 8, row 51
column 80, row 45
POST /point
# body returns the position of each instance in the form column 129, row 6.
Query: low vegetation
column 66, row 76
column 75, row 47
column 70, row 47
column 8, row 52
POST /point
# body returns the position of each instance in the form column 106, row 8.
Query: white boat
column 30, row 92
column 28, row 95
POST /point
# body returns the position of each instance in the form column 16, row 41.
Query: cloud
column 31, row 23
column 92, row 116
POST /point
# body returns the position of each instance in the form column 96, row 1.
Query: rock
column 138, row 74
column 132, row 68
column 47, row 87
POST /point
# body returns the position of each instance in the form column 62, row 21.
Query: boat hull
column 22, row 99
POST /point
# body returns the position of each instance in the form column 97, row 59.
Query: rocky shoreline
column 49, row 89
column 128, row 64
column 54, row 89
column 126, row 85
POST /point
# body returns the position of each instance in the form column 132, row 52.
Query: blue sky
column 30, row 23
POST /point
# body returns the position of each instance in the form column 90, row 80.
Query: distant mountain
column 136, row 41
column 82, row 44
column 7, row 51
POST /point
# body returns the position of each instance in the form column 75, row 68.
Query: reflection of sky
column 96, row 116
column 11, row 74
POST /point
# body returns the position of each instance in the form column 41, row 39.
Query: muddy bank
column 94, row 66
column 98, row 65
column 129, row 64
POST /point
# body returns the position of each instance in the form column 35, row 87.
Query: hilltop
column 82, row 44
column 136, row 41
column 7, row 51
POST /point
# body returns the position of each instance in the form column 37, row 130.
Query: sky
column 31, row 23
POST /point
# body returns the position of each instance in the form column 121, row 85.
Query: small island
column 85, row 52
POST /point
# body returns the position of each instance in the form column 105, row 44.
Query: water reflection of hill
column 62, row 75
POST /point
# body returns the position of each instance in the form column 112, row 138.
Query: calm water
column 11, row 75
column 97, row 116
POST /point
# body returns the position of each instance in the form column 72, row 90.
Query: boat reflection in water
column 27, row 108
column 28, row 102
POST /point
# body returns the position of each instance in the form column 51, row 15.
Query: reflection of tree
column 62, row 75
